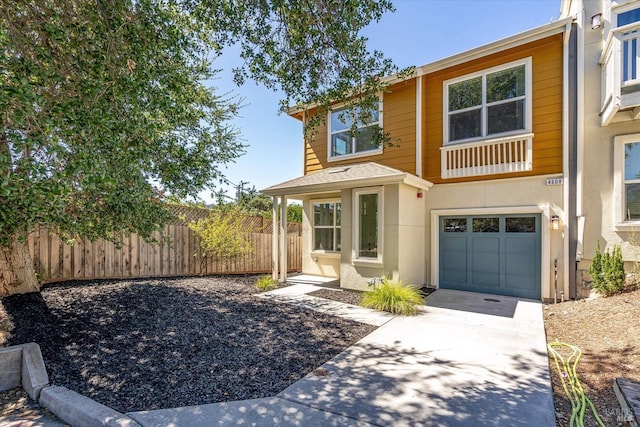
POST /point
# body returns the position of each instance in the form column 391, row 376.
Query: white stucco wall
column 598, row 205
column 519, row 195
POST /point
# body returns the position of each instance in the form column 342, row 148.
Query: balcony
column 488, row 157
column 620, row 62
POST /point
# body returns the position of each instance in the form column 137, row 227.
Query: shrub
column 222, row 235
column 266, row 283
column 607, row 271
column 393, row 296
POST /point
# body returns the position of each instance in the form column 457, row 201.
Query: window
column 341, row 141
column 492, row 102
column 626, row 181
column 368, row 220
column 327, row 219
column 629, row 44
column 631, row 181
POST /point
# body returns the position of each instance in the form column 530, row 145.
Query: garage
column 497, row 254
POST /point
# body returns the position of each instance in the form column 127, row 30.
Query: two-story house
column 480, row 195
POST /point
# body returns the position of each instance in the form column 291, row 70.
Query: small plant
column 607, row 271
column 266, row 283
column 394, row 296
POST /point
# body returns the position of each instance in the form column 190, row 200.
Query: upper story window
column 342, row 142
column 629, row 44
column 626, row 181
column 488, row 103
column 327, row 221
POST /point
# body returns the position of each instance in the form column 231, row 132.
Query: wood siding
column 176, row 254
column 399, row 119
column 547, row 77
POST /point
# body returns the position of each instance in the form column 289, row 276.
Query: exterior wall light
column 596, row 21
column 555, row 222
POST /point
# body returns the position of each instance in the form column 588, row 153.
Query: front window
column 626, row 180
column 343, row 141
column 327, row 220
column 368, row 204
column 489, row 103
column 631, row 192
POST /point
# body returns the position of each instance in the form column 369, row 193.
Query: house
column 608, row 118
column 510, row 169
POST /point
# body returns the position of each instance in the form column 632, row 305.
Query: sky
column 418, row 33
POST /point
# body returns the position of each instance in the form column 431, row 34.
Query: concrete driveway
column 467, row 360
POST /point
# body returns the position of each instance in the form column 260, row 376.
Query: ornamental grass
column 394, row 296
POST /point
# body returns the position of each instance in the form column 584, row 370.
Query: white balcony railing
column 620, row 61
column 489, row 157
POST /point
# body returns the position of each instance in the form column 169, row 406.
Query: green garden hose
column 571, row 384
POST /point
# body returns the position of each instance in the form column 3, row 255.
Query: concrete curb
column 78, row 410
column 23, row 365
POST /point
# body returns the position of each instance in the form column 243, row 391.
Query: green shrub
column 607, row 271
column 266, row 283
column 393, row 296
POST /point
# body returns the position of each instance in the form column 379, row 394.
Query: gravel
column 162, row 343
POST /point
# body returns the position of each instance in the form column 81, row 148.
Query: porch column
column 283, row 239
column 274, row 239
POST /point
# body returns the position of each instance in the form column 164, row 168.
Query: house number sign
column 555, row 181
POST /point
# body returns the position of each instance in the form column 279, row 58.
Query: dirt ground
column 607, row 330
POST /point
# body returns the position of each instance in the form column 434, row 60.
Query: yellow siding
column 546, row 57
column 399, row 119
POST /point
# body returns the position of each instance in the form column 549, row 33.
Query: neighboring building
column 510, row 166
column 608, row 116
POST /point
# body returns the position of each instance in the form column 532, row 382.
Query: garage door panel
column 454, row 264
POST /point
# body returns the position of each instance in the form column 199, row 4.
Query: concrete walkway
column 467, row 359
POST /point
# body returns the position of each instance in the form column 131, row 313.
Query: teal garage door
column 497, row 254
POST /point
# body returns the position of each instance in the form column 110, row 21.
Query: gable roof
column 343, row 177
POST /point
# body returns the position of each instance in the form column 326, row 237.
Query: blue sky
column 419, row 32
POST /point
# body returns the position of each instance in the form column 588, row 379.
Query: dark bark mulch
column 162, row 343
column 347, row 297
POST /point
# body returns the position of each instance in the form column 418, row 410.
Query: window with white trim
column 493, row 102
column 327, row 220
column 343, row 143
column 627, row 179
column 368, row 222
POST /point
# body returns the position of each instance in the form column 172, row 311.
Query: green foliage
column 607, row 271
column 393, row 296
column 223, row 235
column 266, row 283
column 104, row 109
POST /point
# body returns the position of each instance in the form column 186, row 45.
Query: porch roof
column 346, row 176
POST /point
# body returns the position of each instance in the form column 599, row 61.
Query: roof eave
column 403, row 178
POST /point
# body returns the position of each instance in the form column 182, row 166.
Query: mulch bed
column 347, row 297
column 607, row 331
column 162, row 343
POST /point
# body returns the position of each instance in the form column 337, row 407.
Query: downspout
column 419, row 123
column 571, row 184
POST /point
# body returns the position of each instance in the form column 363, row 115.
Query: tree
column 104, row 109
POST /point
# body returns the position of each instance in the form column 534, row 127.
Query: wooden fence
column 176, row 254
